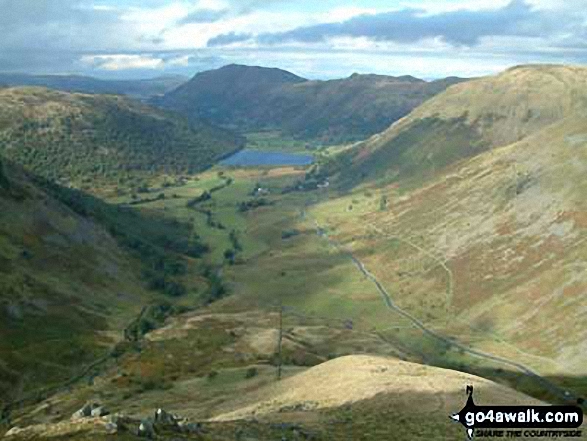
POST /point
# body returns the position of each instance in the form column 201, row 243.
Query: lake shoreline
column 258, row 158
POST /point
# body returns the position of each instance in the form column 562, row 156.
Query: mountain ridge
column 470, row 118
column 252, row 98
column 141, row 88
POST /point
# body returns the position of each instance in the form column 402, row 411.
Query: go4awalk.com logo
column 519, row 421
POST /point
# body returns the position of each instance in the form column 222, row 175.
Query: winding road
column 390, row 304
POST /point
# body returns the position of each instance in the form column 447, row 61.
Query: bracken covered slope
column 490, row 250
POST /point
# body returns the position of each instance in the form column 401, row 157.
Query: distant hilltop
column 253, row 98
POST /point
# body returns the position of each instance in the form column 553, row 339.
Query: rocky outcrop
column 90, row 410
column 99, row 412
column 93, row 420
column 165, row 419
column 146, row 429
column 64, row 429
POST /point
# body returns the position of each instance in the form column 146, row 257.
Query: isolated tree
column 230, row 255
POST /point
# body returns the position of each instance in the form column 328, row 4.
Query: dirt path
column 441, row 263
column 551, row 387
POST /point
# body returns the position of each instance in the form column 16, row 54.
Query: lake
column 255, row 158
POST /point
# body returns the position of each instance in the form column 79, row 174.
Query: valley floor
column 346, row 294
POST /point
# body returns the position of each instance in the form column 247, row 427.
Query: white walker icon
column 460, row 417
column 516, row 417
column 456, row 417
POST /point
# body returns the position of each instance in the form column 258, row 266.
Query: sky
column 315, row 39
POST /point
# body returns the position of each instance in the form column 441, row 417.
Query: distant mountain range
column 247, row 98
column 141, row 89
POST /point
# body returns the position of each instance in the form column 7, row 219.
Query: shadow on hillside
column 558, row 389
column 410, row 415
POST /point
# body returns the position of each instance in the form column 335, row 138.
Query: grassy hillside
column 141, row 89
column 483, row 254
column 78, row 138
column 349, row 109
column 489, row 251
column 252, row 99
column 75, row 272
column 470, row 118
column 230, row 384
column 463, row 250
column 232, row 96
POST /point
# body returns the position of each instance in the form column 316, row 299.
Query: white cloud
column 215, row 5
column 142, row 36
column 342, row 14
column 103, row 8
column 438, row 7
column 182, row 61
column 123, row 62
column 196, row 36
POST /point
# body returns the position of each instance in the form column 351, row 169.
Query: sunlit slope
column 470, row 118
column 351, row 379
column 220, row 369
column 367, row 397
column 76, row 137
column 492, row 251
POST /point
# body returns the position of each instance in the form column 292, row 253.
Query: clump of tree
column 162, row 245
column 234, row 240
column 137, row 201
column 216, row 289
column 288, row 234
column 4, row 182
column 210, row 221
column 106, row 138
column 230, row 254
column 314, row 179
column 150, row 318
column 163, row 275
column 205, row 196
column 253, row 204
column 251, row 372
column 197, row 249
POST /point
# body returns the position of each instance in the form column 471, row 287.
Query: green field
column 305, row 272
